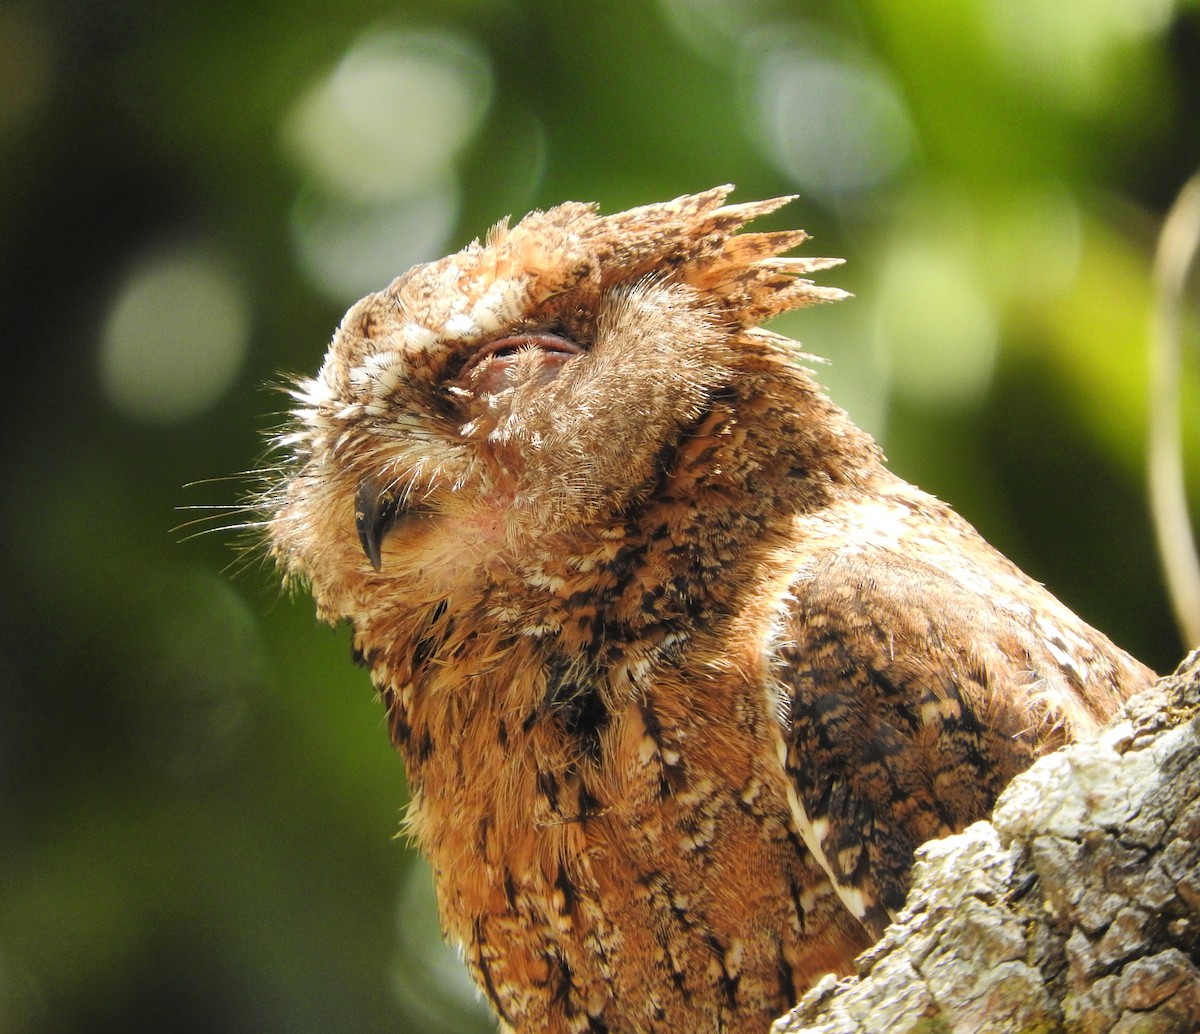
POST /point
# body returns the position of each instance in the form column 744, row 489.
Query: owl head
column 520, row 393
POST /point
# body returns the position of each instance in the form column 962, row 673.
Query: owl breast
column 622, row 857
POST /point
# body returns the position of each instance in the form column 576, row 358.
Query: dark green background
column 197, row 799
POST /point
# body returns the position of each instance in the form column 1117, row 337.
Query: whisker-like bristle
column 220, row 528
column 241, row 475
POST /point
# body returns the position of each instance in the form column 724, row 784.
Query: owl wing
column 913, row 688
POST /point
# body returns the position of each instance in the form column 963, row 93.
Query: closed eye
column 488, row 367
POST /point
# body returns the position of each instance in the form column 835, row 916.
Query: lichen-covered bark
column 1077, row 909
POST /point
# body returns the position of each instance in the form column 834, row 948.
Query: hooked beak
column 375, row 512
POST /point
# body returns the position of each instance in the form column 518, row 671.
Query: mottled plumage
column 680, row 673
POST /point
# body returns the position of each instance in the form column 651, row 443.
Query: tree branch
column 1077, row 909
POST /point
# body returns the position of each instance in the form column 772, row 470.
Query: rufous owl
column 680, row 672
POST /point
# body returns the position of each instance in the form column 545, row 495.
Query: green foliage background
column 197, row 799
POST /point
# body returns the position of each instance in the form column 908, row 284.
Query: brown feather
column 680, row 673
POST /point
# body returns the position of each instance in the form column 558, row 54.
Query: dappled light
column 174, row 338
column 376, row 140
column 833, row 123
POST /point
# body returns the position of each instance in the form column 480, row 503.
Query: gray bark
column 1076, row 909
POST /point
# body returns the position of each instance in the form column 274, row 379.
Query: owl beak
column 375, row 511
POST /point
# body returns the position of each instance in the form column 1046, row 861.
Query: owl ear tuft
column 693, row 239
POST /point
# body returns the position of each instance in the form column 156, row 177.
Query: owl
column 681, row 674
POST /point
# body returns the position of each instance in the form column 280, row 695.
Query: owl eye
column 490, row 366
